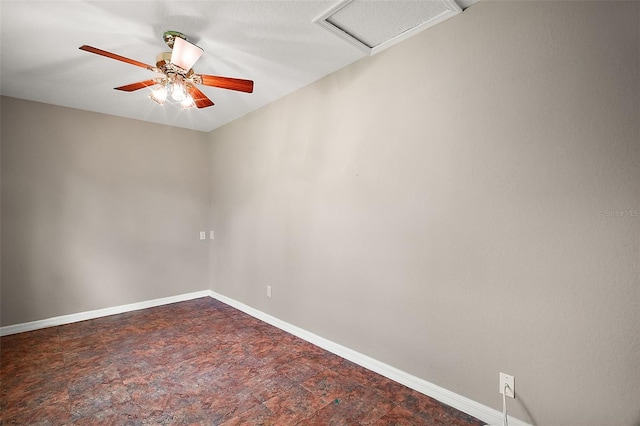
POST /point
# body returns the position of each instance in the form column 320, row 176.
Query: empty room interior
column 460, row 203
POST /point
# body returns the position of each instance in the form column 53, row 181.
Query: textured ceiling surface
column 273, row 43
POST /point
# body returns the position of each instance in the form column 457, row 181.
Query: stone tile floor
column 195, row 362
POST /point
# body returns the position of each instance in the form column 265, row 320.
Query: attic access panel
column 374, row 25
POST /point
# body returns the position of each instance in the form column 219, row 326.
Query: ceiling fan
column 177, row 79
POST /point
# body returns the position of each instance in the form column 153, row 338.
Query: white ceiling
column 274, row 43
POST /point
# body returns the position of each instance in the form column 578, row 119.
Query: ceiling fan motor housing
column 164, row 65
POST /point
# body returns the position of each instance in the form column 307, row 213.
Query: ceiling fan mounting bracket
column 170, row 36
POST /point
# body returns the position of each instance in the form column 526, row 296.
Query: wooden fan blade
column 136, row 86
column 227, row 83
column 199, row 98
column 114, row 56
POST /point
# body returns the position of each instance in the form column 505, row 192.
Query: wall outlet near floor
column 507, row 385
column 211, row 235
column 203, row 235
column 268, row 291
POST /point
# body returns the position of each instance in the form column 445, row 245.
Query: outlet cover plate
column 509, row 381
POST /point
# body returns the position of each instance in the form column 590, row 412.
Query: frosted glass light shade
column 187, row 103
column 178, row 92
column 159, row 94
column 185, row 54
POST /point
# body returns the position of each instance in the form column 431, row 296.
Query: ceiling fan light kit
column 178, row 80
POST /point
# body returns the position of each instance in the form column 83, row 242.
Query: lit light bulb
column 178, row 92
column 187, row 103
column 159, row 94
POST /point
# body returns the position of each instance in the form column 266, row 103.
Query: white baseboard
column 466, row 405
column 82, row 316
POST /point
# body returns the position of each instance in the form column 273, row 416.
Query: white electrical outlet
column 203, row 235
column 507, row 385
column 268, row 291
column 211, row 235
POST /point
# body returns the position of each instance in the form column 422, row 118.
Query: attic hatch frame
column 451, row 8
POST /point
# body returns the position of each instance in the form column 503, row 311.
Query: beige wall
column 97, row 211
column 461, row 204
